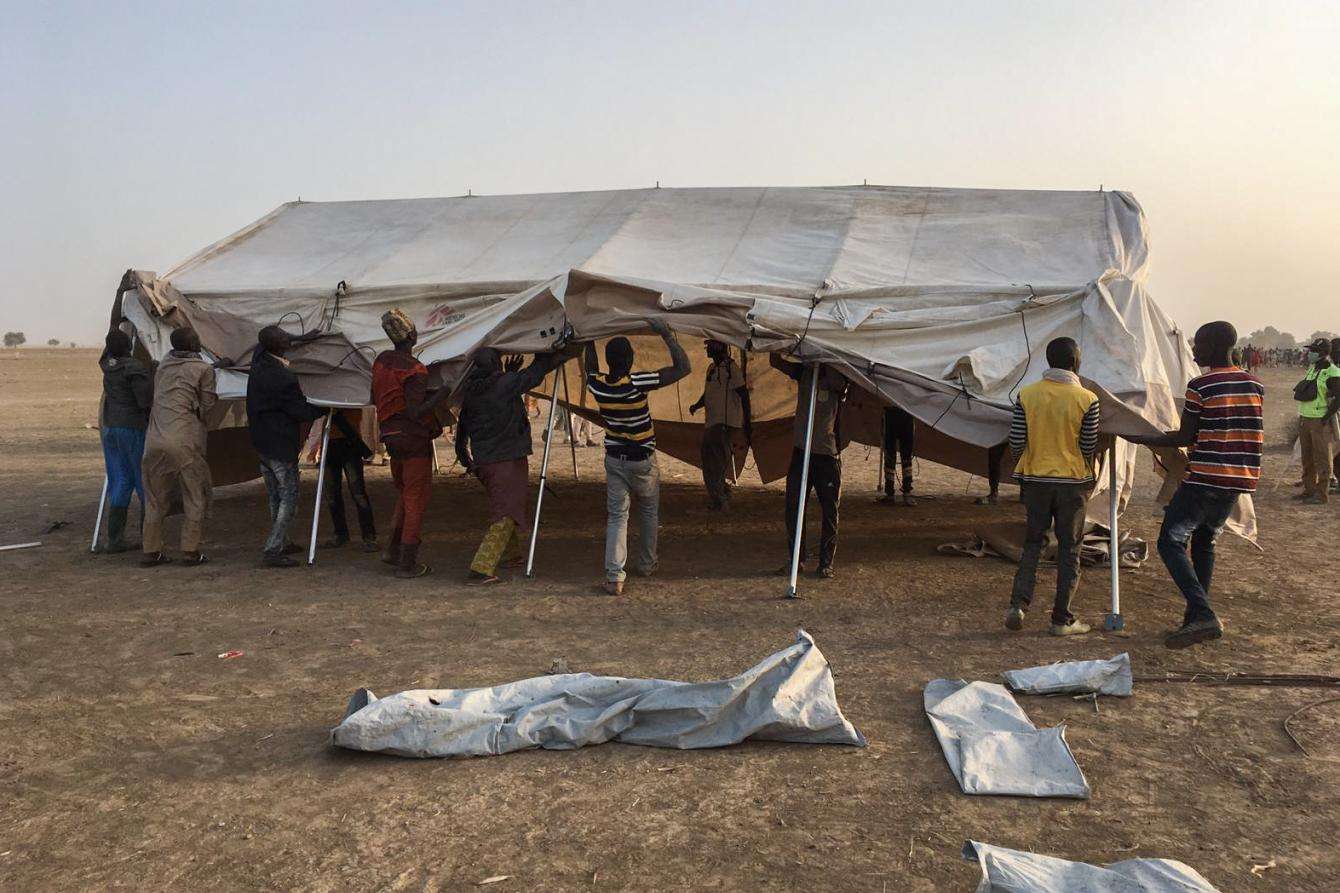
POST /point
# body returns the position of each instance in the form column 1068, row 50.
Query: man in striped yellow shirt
column 631, row 471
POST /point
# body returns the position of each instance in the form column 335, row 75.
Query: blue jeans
column 123, row 451
column 281, row 482
column 626, row 482
column 1195, row 515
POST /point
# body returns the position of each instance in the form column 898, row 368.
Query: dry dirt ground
column 131, row 756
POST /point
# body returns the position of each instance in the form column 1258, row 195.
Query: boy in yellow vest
column 1054, row 435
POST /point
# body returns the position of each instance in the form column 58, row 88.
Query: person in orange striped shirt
column 1222, row 424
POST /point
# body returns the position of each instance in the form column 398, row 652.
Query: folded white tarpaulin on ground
column 993, row 748
column 788, row 696
column 1013, row 871
column 939, row 300
column 1104, row 677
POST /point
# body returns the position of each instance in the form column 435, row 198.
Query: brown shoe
column 410, row 567
column 612, row 587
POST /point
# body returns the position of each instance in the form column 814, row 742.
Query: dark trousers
column 343, row 461
column 1060, row 505
column 899, row 428
column 1195, row 516
column 826, row 482
column 716, row 455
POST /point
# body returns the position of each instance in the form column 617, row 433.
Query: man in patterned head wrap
column 405, row 412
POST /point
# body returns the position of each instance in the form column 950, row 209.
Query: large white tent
column 938, row 300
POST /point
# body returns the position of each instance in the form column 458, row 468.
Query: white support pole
column 572, row 435
column 320, row 486
column 1114, row 621
column 804, row 484
column 97, row 524
column 544, row 476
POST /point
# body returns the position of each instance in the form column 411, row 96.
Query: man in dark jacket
column 493, row 441
column 276, row 410
column 127, row 395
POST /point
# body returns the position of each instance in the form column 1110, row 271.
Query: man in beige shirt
column 174, row 448
column 726, row 398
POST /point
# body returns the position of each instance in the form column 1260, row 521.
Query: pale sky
column 133, row 134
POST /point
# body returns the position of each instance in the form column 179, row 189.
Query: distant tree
column 53, row 342
column 1271, row 337
column 1320, row 333
column 14, row 339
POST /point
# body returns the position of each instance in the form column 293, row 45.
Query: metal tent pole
column 320, row 485
column 1113, row 620
column 572, row 435
column 804, row 484
column 544, row 476
column 97, row 525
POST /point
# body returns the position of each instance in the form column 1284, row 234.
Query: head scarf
column 397, row 325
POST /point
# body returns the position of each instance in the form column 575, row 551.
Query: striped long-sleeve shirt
column 1054, row 430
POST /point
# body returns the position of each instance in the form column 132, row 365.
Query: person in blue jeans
column 1222, row 424
column 127, row 395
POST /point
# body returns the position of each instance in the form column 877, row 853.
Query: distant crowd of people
column 155, row 421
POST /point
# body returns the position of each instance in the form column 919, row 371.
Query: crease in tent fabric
column 1014, row 871
column 1099, row 677
column 744, row 231
column 916, row 233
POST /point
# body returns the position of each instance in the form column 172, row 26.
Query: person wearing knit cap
column 405, row 414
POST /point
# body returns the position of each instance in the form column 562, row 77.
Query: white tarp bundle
column 993, row 748
column 788, row 696
column 1103, row 677
column 941, row 300
column 1013, row 871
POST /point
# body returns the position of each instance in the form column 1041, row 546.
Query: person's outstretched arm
column 1088, row 432
column 1185, row 435
column 592, row 359
column 679, row 366
column 791, row 370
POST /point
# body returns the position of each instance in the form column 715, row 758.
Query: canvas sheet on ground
column 788, row 696
column 1012, row 871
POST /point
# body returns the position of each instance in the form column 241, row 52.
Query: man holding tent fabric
column 174, row 448
column 726, row 398
column 1222, row 423
column 630, row 447
column 493, row 442
column 825, row 458
column 127, row 395
column 405, row 413
column 1054, row 436
column 276, row 411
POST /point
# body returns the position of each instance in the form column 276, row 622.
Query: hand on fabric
column 693, row 409
column 514, row 363
column 659, row 327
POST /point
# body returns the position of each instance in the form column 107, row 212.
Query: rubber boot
column 391, row 554
column 116, row 529
column 409, row 562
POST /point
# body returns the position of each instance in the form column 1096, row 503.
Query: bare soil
column 131, row 756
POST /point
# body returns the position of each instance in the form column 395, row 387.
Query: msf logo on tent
column 443, row 315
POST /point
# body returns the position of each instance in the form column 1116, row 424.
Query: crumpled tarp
column 1104, row 677
column 788, row 696
column 993, row 748
column 1012, row 871
column 1007, row 541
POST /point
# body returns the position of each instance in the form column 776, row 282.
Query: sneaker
column 370, row 546
column 293, row 549
column 909, row 499
column 888, row 499
column 153, row 559
column 825, row 572
column 612, row 587
column 277, row 559
column 986, row 500
column 1014, row 619
column 335, row 542
column 646, row 571
column 1194, row 633
column 475, row 578
column 1073, row 628
column 194, row 559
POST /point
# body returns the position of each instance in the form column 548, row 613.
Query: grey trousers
column 281, row 483
column 1060, row 506
column 624, row 482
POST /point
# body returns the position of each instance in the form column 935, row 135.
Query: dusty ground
column 126, row 763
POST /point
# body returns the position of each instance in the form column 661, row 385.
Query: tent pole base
column 1114, row 622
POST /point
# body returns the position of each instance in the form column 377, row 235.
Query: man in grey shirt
column 825, row 463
